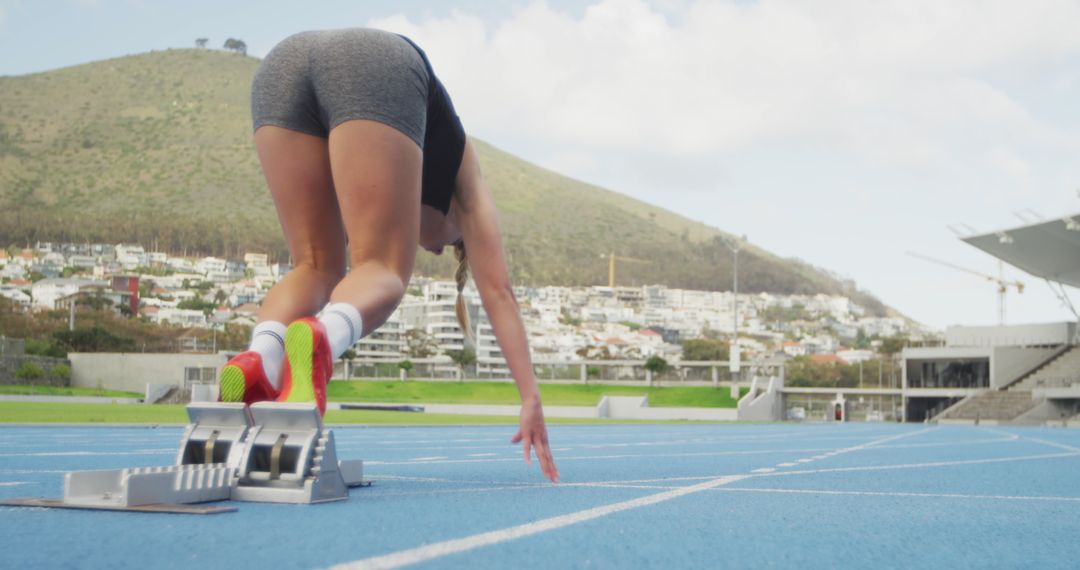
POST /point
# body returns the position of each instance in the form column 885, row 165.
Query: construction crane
column 1002, row 283
column 611, row 265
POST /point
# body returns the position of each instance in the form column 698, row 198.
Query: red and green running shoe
column 308, row 363
column 243, row 379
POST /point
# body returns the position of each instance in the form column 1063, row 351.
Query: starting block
column 268, row 452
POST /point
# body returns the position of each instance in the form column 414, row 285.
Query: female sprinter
column 365, row 157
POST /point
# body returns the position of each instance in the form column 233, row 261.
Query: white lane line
column 483, row 455
column 764, row 470
column 429, row 459
column 91, row 453
column 599, row 457
column 875, row 444
column 922, row 465
column 439, row 549
column 517, row 487
column 900, row 494
column 1054, row 444
column 15, row 483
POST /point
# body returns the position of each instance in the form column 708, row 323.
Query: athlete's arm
column 476, row 217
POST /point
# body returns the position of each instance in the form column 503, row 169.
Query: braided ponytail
column 461, row 276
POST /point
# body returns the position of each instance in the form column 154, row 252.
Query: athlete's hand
column 532, row 434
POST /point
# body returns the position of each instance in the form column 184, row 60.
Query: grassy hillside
column 156, row 148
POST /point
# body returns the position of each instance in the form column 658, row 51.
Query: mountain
column 156, row 148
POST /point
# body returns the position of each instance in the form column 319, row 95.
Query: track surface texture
column 686, row 496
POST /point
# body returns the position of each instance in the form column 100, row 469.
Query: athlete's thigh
column 297, row 170
column 377, row 173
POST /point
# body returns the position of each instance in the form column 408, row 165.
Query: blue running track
column 633, row 496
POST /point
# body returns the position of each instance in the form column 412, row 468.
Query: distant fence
column 630, row 371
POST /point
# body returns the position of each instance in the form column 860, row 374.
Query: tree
column 348, row 357
column 94, row 339
column 705, row 349
column 196, row 304
column 30, row 371
column 464, row 357
column 893, row 345
column 419, row 344
column 591, row 352
column 861, row 340
column 656, row 365
column 96, row 302
column 44, row 348
column 406, row 366
column 235, row 45
column 201, row 42
column 61, row 372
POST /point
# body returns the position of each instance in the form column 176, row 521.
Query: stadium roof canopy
column 1050, row 250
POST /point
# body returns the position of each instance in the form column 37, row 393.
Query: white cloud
column 889, row 119
column 730, row 75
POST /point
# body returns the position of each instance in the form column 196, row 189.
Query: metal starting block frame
column 268, row 452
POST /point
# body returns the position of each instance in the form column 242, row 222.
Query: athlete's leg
column 297, row 170
column 376, row 175
column 377, row 172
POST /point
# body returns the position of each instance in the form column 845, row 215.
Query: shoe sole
column 299, row 349
column 232, row 384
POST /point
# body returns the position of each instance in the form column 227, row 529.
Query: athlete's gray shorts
column 313, row 81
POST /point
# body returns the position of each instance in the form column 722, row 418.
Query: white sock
column 268, row 339
column 343, row 326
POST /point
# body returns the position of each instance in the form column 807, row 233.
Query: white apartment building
column 208, row 265
column 182, row 317
column 434, row 314
column 256, row 260
column 489, row 357
column 16, row 296
column 385, row 343
column 13, row 271
column 181, row 264
column 157, row 258
column 130, row 256
column 46, row 292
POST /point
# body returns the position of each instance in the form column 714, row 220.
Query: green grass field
column 506, row 393
column 64, row 391
column 50, row 413
column 362, row 391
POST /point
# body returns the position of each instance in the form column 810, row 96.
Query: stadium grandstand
column 1028, row 373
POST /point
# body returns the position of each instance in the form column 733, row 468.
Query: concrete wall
column 1010, row 363
column 133, row 371
column 764, row 402
column 10, row 363
column 1013, row 335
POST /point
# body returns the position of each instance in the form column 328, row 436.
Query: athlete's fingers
column 547, row 463
column 528, row 449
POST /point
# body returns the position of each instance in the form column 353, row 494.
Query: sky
column 845, row 133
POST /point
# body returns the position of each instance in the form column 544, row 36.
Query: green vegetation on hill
column 46, row 332
column 156, row 149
